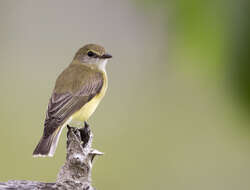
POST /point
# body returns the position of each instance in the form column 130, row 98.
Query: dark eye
column 90, row 54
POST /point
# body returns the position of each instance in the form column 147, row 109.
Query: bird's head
column 93, row 55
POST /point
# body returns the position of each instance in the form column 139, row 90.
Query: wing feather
column 66, row 102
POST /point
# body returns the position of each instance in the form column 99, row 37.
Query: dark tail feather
column 47, row 146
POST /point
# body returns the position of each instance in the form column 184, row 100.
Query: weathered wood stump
column 75, row 173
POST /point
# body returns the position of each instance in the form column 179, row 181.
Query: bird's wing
column 64, row 103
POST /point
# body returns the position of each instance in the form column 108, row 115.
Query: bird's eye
column 90, row 54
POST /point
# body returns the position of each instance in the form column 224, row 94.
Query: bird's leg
column 68, row 127
column 85, row 133
column 86, row 124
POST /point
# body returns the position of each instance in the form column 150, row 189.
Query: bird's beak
column 106, row 56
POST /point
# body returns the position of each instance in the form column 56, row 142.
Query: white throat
column 102, row 65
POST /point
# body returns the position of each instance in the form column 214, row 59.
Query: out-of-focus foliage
column 240, row 52
column 211, row 36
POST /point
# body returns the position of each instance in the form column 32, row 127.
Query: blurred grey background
column 176, row 114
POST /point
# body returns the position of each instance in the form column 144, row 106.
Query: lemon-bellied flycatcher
column 78, row 91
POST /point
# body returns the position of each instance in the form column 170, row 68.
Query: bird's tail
column 47, row 145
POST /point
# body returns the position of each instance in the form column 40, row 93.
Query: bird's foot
column 86, row 124
column 68, row 127
column 85, row 133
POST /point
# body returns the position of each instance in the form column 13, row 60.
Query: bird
column 76, row 95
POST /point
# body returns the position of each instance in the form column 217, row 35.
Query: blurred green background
column 176, row 114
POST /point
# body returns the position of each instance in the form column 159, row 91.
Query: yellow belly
column 88, row 109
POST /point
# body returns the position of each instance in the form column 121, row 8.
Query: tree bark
column 75, row 174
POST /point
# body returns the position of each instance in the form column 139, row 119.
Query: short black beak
column 106, row 56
